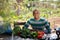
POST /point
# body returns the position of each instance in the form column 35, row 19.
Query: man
column 38, row 23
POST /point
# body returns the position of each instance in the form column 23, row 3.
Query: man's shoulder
column 31, row 19
column 43, row 19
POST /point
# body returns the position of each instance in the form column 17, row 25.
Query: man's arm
column 26, row 24
column 47, row 25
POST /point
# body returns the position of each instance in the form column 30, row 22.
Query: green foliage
column 9, row 14
column 25, row 32
column 34, row 34
column 16, row 30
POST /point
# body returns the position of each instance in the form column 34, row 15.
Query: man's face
column 36, row 14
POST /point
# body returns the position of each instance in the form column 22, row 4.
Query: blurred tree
column 18, row 1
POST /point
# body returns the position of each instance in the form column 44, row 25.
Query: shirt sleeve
column 47, row 26
column 27, row 24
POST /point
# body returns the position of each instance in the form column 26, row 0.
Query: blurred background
column 21, row 10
